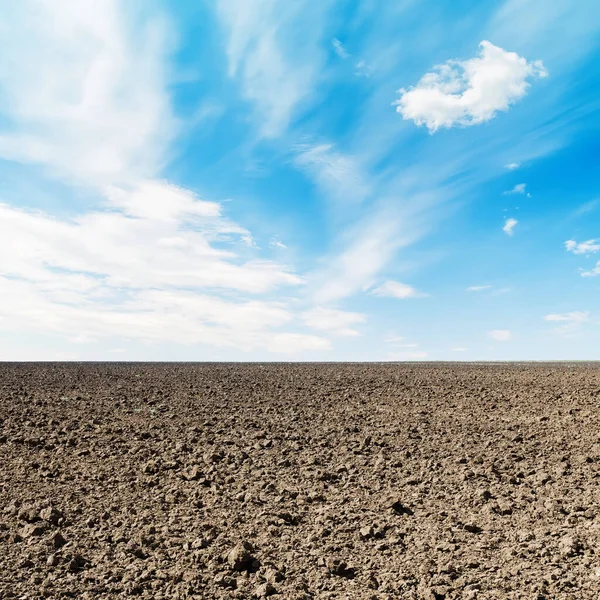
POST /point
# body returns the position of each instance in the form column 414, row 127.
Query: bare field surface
column 300, row 481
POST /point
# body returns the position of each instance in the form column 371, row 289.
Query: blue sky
column 269, row 180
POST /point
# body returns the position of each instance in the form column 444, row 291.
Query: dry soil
column 300, row 481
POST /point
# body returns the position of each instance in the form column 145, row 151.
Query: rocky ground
column 300, row 481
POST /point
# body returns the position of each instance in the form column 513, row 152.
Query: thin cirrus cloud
column 339, row 176
column 571, row 317
column 478, row 288
column 406, row 356
column 512, row 166
column 518, row 189
column 396, row 289
column 334, row 321
column 587, row 247
column 339, row 49
column 500, row 335
column 509, row 226
column 274, row 55
column 469, row 92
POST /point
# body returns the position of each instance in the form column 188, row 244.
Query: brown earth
column 300, row 481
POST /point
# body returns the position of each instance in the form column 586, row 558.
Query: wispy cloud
column 571, row 317
column 396, row 289
column 340, row 176
column 88, row 99
column 334, row 321
column 275, row 55
column 509, row 226
column 570, row 322
column 512, row 166
column 588, row 247
column 406, row 356
column 339, row 49
column 587, row 207
column 478, row 288
column 469, row 92
column 500, row 335
column 592, row 272
column 518, row 189
column 393, row 339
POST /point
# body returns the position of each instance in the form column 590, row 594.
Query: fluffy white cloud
column 512, row 166
column 588, row 247
column 509, row 226
column 500, row 335
column 478, row 288
column 592, row 272
column 571, row 317
column 518, row 189
column 469, row 92
column 108, row 273
column 396, row 289
column 336, row 322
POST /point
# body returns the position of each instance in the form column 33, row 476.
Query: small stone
column 570, row 546
column 367, row 532
column 52, row 515
column 274, row 576
column 264, row 590
column 225, row 581
column 240, row 558
column 76, row 564
column 58, row 541
column 52, row 560
column 339, row 568
column 33, row 530
column 192, row 474
column 400, row 509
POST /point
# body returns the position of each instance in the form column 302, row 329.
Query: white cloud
column 83, row 96
column 406, row 356
column 366, row 248
column 500, row 335
column 339, row 48
column 274, row 48
column 509, row 226
column 478, row 288
column 593, row 272
column 469, row 92
column 393, row 339
column 275, row 243
column 339, row 176
column 110, row 274
column 588, row 247
column 518, row 189
column 396, row 289
column 363, row 69
column 571, row 317
column 512, row 166
column 336, row 322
